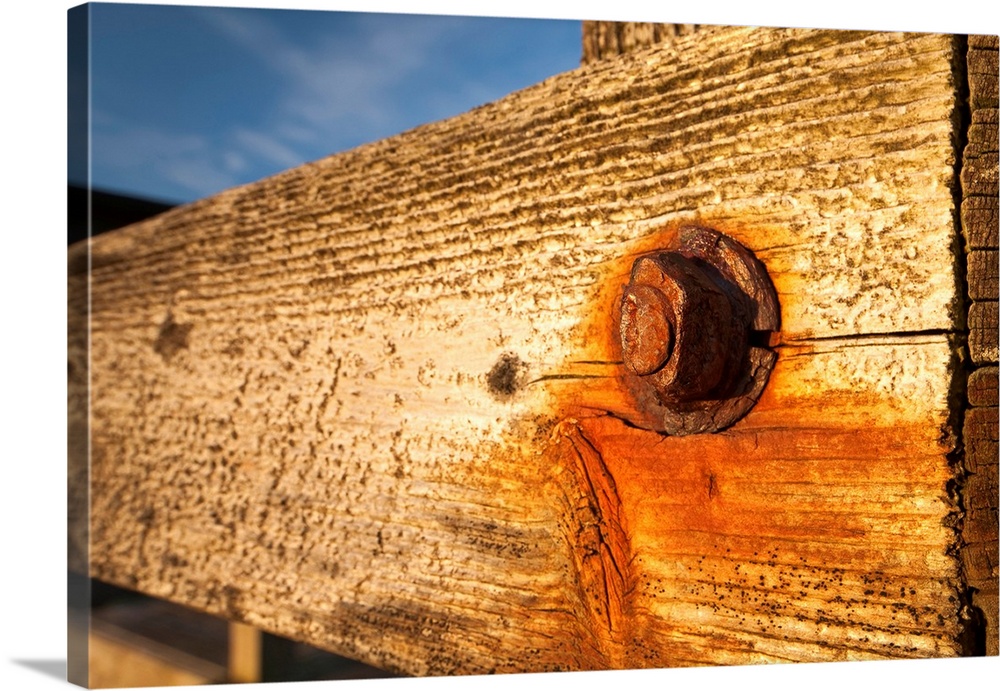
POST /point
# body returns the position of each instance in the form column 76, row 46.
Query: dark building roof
column 108, row 211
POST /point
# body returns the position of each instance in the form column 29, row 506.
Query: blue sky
column 188, row 101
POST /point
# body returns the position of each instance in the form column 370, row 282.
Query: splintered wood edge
column 390, row 369
column 979, row 214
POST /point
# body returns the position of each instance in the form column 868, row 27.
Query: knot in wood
column 691, row 323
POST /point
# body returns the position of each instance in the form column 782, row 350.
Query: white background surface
column 33, row 505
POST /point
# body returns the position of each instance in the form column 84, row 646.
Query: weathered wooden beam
column 117, row 661
column 979, row 188
column 602, row 39
column 245, row 659
column 151, row 643
column 375, row 403
column 980, row 429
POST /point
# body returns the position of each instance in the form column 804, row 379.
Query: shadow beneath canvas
column 50, row 668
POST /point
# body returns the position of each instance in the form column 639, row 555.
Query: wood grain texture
column 374, row 403
column 982, row 69
column 979, row 165
column 983, row 332
column 979, row 220
column 983, row 270
column 78, row 420
column 603, row 40
column 982, row 388
column 979, row 531
column 979, row 176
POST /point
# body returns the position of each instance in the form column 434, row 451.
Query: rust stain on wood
column 794, row 505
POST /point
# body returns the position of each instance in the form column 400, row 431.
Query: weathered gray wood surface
column 373, row 403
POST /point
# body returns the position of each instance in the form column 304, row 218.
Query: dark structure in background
column 109, row 211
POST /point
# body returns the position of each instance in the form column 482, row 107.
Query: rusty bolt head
column 647, row 328
column 687, row 316
column 678, row 327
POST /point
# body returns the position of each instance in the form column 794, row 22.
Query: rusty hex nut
column 647, row 328
column 678, row 327
column 693, row 325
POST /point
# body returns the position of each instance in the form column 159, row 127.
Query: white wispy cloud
column 324, row 93
column 265, row 146
column 344, row 80
column 198, row 173
column 234, row 162
column 190, row 163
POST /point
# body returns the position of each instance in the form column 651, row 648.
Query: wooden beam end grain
column 979, row 217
